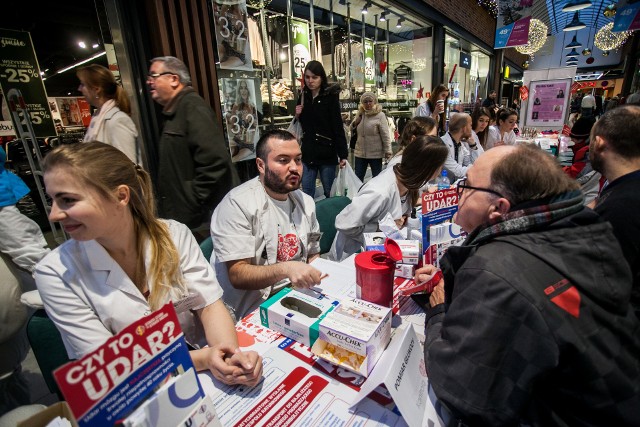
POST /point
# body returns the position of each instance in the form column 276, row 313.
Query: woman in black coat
column 324, row 144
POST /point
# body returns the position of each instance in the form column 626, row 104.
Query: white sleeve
column 367, row 206
column 196, row 271
column 80, row 327
column 232, row 232
column 493, row 137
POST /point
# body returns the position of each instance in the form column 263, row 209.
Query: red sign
column 524, row 93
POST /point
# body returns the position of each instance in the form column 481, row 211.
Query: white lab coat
column 243, row 226
column 494, row 137
column 377, row 197
column 90, row 298
column 466, row 157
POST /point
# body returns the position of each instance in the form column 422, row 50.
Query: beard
column 280, row 186
column 596, row 161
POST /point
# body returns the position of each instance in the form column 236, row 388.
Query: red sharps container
column 374, row 274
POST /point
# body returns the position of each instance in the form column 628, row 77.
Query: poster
column 69, row 111
column 301, row 55
column 240, row 112
column 105, row 385
column 6, row 125
column 512, row 28
column 232, row 34
column 19, row 70
column 548, row 101
column 369, row 70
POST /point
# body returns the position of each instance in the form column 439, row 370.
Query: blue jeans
column 309, row 174
column 361, row 167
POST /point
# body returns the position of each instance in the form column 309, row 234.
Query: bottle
column 414, row 228
column 443, row 181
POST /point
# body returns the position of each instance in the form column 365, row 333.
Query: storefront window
column 466, row 70
column 263, row 49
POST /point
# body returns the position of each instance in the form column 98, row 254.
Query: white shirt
column 243, row 226
column 466, row 157
column 90, row 298
column 377, row 197
column 494, row 137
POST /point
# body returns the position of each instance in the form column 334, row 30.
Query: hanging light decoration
column 575, row 24
column 605, row 53
column 607, row 40
column 258, row 4
column 610, row 11
column 574, row 5
column 574, row 43
column 525, row 65
column 537, row 38
column 586, row 51
column 490, row 5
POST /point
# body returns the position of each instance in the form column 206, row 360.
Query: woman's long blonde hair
column 102, row 167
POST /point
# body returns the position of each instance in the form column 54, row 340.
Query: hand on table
column 302, row 275
column 232, row 366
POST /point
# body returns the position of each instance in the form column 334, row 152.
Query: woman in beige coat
column 374, row 137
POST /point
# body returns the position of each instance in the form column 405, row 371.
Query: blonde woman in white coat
column 111, row 123
column 374, row 136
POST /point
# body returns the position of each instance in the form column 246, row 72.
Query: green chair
column 326, row 212
column 206, row 246
column 47, row 346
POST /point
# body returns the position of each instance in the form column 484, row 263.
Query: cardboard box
column 44, row 417
column 406, row 271
column 410, row 251
column 356, row 333
column 296, row 314
column 374, row 241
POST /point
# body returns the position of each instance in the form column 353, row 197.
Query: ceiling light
column 574, row 43
column 82, row 45
column 399, row 24
column 574, row 5
column 575, row 23
column 574, row 53
column 365, row 8
column 383, row 16
column 95, row 45
column 77, row 64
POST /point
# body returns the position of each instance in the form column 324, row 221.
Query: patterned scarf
column 527, row 219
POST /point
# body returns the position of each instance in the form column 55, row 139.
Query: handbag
column 354, row 138
column 295, row 128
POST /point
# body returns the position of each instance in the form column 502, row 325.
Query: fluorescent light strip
column 77, row 64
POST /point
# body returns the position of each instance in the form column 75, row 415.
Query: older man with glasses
column 532, row 323
column 194, row 168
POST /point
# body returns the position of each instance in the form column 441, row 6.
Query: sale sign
column 105, row 385
column 19, row 70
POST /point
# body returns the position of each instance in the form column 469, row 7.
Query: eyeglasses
column 462, row 184
column 154, row 76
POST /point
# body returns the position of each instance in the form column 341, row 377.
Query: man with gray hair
column 194, row 166
column 463, row 150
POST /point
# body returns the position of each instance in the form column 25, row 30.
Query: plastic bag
column 295, row 128
column 346, row 183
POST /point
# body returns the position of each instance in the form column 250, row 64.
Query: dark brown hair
column 529, row 173
column 416, row 127
column 421, row 160
column 477, row 113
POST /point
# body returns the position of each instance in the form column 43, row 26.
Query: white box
column 410, row 251
column 374, row 241
column 406, row 271
column 296, row 314
column 361, row 328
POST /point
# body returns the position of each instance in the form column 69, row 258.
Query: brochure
column 105, row 386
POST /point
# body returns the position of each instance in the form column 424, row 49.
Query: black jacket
column 538, row 329
column 194, row 165
column 324, row 141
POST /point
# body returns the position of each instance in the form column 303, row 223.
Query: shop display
column 232, row 34
column 240, row 114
